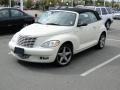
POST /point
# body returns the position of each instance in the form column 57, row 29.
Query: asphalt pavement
column 90, row 70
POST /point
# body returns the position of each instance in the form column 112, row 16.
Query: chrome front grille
column 26, row 41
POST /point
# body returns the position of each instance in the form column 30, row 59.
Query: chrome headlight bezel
column 50, row 44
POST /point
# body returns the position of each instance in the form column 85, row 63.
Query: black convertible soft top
column 81, row 10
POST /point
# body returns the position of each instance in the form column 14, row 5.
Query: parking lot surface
column 90, row 70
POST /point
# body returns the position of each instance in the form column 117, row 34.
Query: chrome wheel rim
column 64, row 56
column 102, row 41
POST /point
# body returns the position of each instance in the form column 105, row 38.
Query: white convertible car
column 58, row 35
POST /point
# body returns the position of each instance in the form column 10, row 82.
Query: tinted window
column 16, row 13
column 98, row 10
column 104, row 11
column 87, row 18
column 109, row 10
column 4, row 13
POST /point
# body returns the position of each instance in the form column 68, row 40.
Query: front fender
column 66, row 37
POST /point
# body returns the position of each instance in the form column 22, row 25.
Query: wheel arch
column 67, row 39
column 108, row 20
column 104, row 33
column 68, row 43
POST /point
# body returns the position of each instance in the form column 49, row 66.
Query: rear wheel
column 64, row 55
column 101, row 42
column 107, row 25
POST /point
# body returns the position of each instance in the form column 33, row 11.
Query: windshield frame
column 76, row 17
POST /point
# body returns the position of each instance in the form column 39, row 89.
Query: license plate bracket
column 18, row 50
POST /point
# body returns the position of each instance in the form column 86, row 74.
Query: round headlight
column 52, row 43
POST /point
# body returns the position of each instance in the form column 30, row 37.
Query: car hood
column 44, row 30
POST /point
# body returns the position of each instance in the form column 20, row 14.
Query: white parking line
column 99, row 66
column 117, row 40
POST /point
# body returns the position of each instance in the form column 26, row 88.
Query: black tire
column 107, row 25
column 101, row 42
column 64, row 55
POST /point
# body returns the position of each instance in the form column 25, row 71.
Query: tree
column 51, row 2
column 4, row 2
column 28, row 3
column 37, row 5
column 112, row 3
column 88, row 2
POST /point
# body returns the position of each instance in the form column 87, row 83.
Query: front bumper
column 41, row 55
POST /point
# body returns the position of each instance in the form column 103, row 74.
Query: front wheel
column 101, row 42
column 64, row 55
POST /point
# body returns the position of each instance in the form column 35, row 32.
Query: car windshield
column 60, row 18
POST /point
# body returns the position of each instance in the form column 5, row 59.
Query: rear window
column 104, row 12
column 98, row 10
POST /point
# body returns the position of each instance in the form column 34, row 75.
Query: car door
column 17, row 18
column 87, row 30
column 4, row 19
column 96, row 25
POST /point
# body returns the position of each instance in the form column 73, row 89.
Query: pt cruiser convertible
column 58, row 35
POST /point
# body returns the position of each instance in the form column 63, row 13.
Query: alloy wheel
column 64, row 56
column 102, row 42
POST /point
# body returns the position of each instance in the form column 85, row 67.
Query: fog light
column 23, row 56
column 44, row 58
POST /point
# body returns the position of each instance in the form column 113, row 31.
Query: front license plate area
column 19, row 51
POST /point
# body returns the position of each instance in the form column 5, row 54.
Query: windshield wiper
column 51, row 24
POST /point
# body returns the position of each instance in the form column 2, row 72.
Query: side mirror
column 84, row 24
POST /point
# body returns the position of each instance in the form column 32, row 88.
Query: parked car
column 16, row 6
column 79, row 6
column 14, row 18
column 57, row 7
column 58, row 35
column 116, row 14
column 105, row 13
